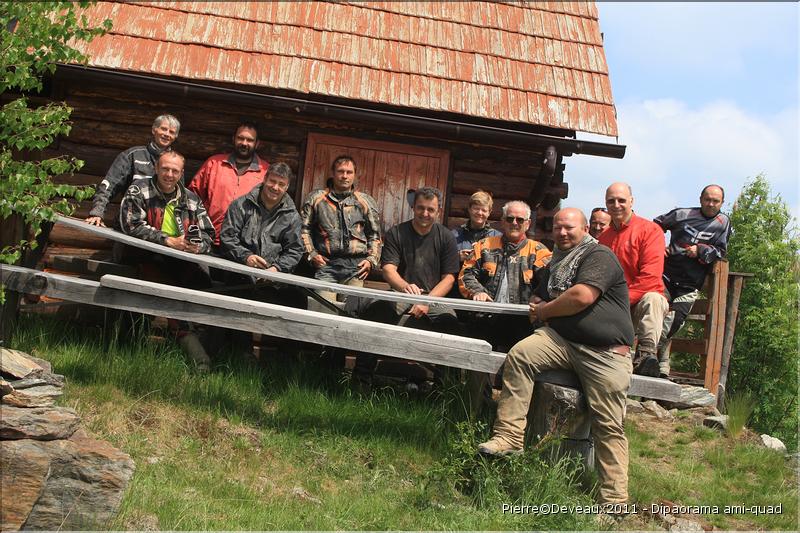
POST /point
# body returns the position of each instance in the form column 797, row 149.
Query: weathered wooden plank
column 647, row 387
column 735, row 284
column 269, row 319
column 291, row 279
column 715, row 326
column 320, row 328
column 222, row 301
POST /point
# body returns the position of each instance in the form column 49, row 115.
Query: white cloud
column 675, row 149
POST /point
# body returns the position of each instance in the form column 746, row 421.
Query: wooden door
column 384, row 170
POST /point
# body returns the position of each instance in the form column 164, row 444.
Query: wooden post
column 12, row 235
column 562, row 412
column 715, row 325
column 735, row 285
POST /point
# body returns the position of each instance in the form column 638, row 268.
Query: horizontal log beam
column 643, row 386
column 236, row 313
column 298, row 281
column 247, row 315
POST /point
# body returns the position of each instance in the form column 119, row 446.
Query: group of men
column 608, row 284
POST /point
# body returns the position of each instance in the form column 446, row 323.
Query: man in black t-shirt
column 419, row 257
column 583, row 300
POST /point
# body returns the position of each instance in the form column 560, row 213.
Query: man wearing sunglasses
column 598, row 221
column 502, row 269
column 638, row 243
column 163, row 211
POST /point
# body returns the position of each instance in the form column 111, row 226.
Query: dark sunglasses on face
column 518, row 220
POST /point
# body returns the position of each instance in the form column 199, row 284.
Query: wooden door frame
column 443, row 155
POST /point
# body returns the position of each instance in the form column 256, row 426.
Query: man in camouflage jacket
column 341, row 229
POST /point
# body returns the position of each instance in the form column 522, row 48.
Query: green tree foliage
column 764, row 362
column 36, row 36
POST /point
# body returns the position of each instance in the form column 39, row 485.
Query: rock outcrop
column 53, row 474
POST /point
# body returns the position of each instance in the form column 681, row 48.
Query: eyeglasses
column 518, row 220
column 596, row 209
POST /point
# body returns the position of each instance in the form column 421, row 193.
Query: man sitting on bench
column 262, row 230
column 583, row 300
column 163, row 211
column 501, row 269
column 419, row 257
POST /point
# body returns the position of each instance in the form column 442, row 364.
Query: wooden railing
column 717, row 313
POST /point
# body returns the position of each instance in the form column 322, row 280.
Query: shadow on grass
column 300, row 396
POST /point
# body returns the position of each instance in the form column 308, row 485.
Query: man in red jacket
column 638, row 243
column 225, row 177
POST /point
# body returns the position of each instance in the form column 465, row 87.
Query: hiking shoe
column 498, row 447
column 647, row 366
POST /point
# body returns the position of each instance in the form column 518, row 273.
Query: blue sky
column 705, row 92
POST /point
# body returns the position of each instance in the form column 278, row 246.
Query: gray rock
column 39, row 423
column 632, row 406
column 652, row 408
column 23, row 472
column 773, row 443
column 47, row 368
column 84, row 487
column 716, row 422
column 42, row 396
column 684, row 524
column 17, row 364
column 41, row 378
column 5, row 387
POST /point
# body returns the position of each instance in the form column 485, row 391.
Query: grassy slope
column 288, row 447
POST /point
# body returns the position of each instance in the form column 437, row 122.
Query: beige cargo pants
column 648, row 321
column 605, row 377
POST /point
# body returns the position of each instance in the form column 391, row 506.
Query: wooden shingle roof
column 528, row 62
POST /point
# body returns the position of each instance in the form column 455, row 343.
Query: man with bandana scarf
column 582, row 299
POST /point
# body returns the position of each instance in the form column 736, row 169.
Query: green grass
column 703, row 467
column 739, row 408
column 288, row 445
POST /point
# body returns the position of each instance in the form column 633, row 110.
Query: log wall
column 108, row 119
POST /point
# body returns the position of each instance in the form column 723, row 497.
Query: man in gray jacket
column 134, row 163
column 262, row 230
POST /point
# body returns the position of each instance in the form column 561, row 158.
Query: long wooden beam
column 226, row 311
column 291, row 279
column 247, row 315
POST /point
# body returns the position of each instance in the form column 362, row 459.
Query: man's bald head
column 619, row 202
column 569, row 228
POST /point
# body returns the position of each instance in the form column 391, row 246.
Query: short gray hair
column 172, row 120
column 517, row 203
column 280, row 169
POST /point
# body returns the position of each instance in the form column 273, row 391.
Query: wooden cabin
column 458, row 95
